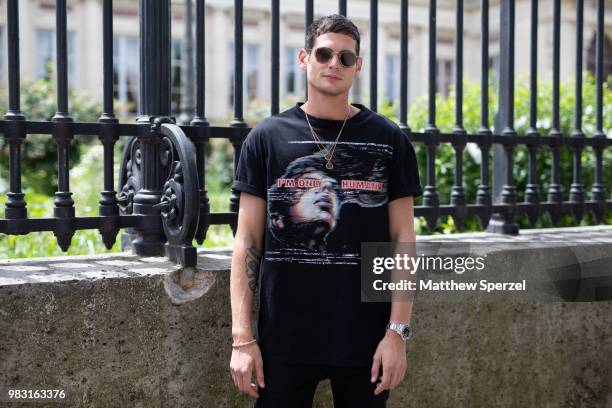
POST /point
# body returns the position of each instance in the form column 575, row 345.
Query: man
column 357, row 172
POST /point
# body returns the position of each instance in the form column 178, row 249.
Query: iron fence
column 161, row 199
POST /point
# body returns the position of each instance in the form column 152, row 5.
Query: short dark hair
column 333, row 23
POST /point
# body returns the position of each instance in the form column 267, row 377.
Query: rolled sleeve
column 404, row 175
column 250, row 176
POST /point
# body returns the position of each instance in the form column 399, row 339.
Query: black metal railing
column 162, row 201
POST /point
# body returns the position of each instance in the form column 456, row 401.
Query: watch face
column 406, row 332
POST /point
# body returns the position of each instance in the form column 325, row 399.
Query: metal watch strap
column 404, row 330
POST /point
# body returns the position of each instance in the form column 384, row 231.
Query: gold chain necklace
column 328, row 154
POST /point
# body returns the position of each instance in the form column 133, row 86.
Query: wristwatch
column 403, row 330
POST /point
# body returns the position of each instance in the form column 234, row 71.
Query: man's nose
column 335, row 60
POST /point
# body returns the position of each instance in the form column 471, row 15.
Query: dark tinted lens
column 347, row 58
column 323, row 54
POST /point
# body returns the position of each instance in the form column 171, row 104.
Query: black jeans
column 293, row 386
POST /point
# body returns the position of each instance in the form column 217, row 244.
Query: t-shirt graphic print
column 305, row 204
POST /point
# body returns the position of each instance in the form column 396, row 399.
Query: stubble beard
column 328, row 92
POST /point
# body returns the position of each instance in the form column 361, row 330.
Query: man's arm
column 246, row 259
column 391, row 351
column 401, row 229
column 245, row 264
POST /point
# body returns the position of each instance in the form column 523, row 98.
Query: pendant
column 329, row 166
column 328, row 157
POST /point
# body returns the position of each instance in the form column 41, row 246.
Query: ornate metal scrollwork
column 179, row 203
column 129, row 176
column 180, row 206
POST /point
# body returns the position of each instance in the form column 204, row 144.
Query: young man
column 315, row 181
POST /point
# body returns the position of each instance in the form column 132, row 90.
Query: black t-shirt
column 310, row 295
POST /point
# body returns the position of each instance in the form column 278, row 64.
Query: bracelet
column 236, row 345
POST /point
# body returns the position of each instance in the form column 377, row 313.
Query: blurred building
column 37, row 32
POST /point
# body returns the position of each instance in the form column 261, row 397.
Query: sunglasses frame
column 332, row 53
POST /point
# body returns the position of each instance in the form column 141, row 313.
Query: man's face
column 330, row 78
column 317, row 204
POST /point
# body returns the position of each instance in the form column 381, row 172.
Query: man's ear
column 303, row 59
column 358, row 67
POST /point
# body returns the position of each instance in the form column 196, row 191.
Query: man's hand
column 244, row 360
column 391, row 354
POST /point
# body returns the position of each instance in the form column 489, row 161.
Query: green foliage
column 37, row 244
column 445, row 156
column 39, row 152
column 86, row 183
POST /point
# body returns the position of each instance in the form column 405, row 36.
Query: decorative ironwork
column 179, row 204
column 129, row 176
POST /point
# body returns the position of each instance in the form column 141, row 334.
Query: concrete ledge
column 119, row 337
column 119, row 330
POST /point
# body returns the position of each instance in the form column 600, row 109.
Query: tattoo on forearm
column 251, row 260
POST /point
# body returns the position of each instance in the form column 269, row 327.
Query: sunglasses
column 325, row 54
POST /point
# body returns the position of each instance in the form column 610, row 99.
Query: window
column 392, row 78
column 251, row 79
column 294, row 75
column 126, row 73
column 251, row 71
column 444, row 75
column 176, row 72
column 45, row 53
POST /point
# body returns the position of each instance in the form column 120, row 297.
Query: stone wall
column 122, row 331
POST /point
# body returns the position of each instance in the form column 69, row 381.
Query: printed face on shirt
column 316, row 204
column 304, row 204
column 330, row 78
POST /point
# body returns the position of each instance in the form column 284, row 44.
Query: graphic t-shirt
column 317, row 217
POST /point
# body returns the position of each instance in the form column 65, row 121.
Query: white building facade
column 37, row 47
